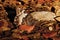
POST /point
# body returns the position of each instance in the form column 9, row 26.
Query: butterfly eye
column 2, row 0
